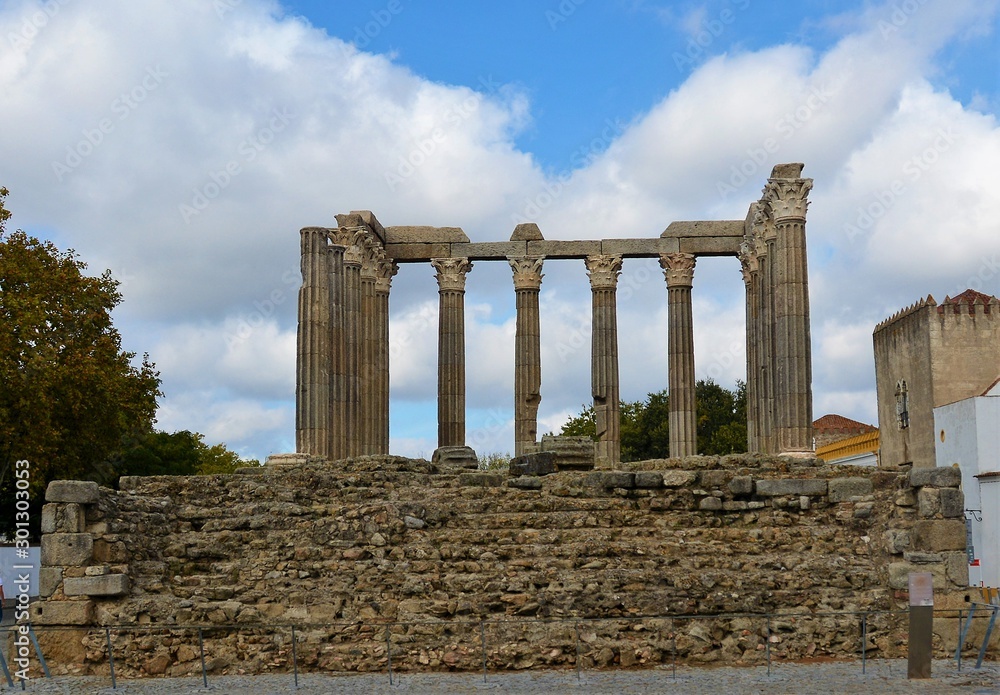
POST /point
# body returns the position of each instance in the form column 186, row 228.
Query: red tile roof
column 839, row 423
column 967, row 298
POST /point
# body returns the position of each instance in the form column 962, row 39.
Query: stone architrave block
column 611, row 479
column 425, row 235
column 478, row 250
column 678, row 478
column 937, row 535
column 537, row 463
column 48, row 580
column 455, row 456
column 103, row 585
column 62, row 612
column 572, row 453
column 78, row 491
column 741, row 485
column 938, row 477
column 67, row 549
column 952, row 502
column 648, row 479
column 417, row 252
column 843, row 489
column 791, row 486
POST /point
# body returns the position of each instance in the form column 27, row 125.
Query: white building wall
column 968, row 433
column 989, row 490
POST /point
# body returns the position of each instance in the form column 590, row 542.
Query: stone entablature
column 342, row 406
column 377, row 540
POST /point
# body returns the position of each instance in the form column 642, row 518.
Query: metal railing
column 401, row 646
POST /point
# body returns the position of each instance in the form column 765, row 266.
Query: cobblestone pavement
column 882, row 677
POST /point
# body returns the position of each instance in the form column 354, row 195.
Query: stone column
column 603, row 271
column 527, row 352
column 312, row 375
column 352, row 343
column 451, row 349
column 786, row 195
column 367, row 381
column 748, row 266
column 386, row 270
column 678, row 268
column 338, row 403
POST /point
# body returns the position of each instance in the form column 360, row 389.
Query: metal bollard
column 201, row 650
column 295, row 660
column 111, row 658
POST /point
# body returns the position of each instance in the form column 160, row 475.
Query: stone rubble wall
column 341, row 549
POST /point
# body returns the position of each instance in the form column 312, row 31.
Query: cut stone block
column 710, row 504
column 104, row 585
column 678, row 478
column 843, row 489
column 78, row 491
column 526, row 482
column 792, row 486
column 527, row 231
column 63, row 518
column 537, row 463
column 648, row 479
column 67, row 549
column 741, row 485
column 938, row 477
column 481, row 479
column 572, row 453
column 611, row 479
column 928, row 502
column 456, row 457
column 48, row 580
column 938, row 535
column 62, row 612
column 425, row 235
column 952, row 502
column 710, row 479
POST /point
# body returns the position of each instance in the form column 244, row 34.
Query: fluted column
column 385, row 271
column 793, row 350
column 749, row 268
column 338, row 389
column 312, row 377
column 603, row 271
column 368, row 381
column 353, row 239
column 678, row 268
column 527, row 352
column 451, row 349
column 768, row 361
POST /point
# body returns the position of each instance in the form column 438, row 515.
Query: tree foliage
column 69, row 394
column 177, row 453
column 645, row 429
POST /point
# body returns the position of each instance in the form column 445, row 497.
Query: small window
column 902, row 405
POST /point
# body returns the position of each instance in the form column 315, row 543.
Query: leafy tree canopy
column 177, row 453
column 645, row 433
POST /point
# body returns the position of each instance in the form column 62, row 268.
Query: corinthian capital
column 527, row 271
column 603, row 271
column 451, row 273
column 787, row 197
column 678, row 269
column 384, row 272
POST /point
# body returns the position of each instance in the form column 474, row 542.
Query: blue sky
column 182, row 145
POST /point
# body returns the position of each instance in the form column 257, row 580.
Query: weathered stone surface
column 287, row 459
column 67, row 549
column 741, row 485
column 711, row 228
column 957, row 565
column 413, row 522
column 484, row 250
column 678, row 478
column 611, row 479
column 62, row 518
column 526, row 231
column 105, row 585
column 526, row 482
column 952, row 502
column 455, row 457
column 899, row 574
column 843, row 489
column 791, row 486
column 648, row 479
column 712, row 479
column 48, row 580
column 481, row 479
column 78, row 491
column 939, row 535
column 572, row 453
column 537, row 463
column 425, row 235
column 62, row 612
column 710, row 504
column 928, row 502
column 938, row 477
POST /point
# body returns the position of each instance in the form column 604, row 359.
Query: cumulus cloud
column 183, row 147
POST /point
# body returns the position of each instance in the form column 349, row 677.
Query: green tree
column 177, row 453
column 645, row 429
column 69, row 394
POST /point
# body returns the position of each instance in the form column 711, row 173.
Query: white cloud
column 276, row 126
